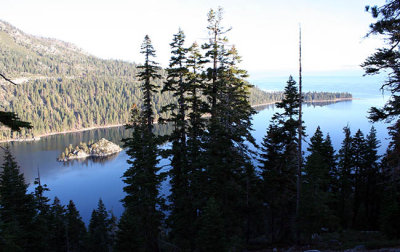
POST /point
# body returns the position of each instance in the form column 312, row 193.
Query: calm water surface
column 86, row 181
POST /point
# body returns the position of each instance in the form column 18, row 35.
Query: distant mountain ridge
column 61, row 87
column 53, row 45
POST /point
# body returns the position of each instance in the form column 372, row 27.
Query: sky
column 265, row 32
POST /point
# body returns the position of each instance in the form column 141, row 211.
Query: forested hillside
column 60, row 87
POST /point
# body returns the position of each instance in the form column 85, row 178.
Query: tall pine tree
column 17, row 208
column 227, row 158
column 182, row 215
column 99, row 231
column 76, row 230
column 345, row 191
column 139, row 225
column 317, row 193
column 279, row 166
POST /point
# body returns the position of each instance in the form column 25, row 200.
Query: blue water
column 86, row 181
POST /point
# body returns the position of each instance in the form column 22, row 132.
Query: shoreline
column 308, row 102
column 38, row 137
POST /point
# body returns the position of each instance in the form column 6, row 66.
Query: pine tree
column 226, row 155
column 17, row 209
column 385, row 59
column 345, row 191
column 42, row 220
column 358, row 177
column 316, row 193
column 76, row 230
column 279, row 166
column 390, row 165
column 211, row 225
column 147, row 75
column 373, row 179
column 99, row 230
column 12, row 121
column 182, row 213
column 214, row 52
column 58, row 228
column 142, row 201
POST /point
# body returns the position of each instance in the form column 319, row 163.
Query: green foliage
column 182, row 216
column 317, row 188
column 100, row 237
column 279, row 165
column 142, row 201
column 12, row 121
column 386, row 59
column 76, row 230
column 226, row 157
column 66, row 89
column 211, row 235
column 58, row 227
column 17, row 208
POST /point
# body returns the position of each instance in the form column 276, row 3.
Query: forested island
column 101, row 148
column 225, row 192
column 61, row 88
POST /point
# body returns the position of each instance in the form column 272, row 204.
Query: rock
column 80, row 154
column 102, row 148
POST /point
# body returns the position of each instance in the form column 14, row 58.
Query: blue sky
column 265, row 32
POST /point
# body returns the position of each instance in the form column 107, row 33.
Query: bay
column 85, row 181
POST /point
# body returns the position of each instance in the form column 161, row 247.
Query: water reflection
column 86, row 161
column 42, row 154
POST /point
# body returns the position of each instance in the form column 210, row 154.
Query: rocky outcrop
column 102, row 148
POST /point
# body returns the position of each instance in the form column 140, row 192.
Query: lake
column 86, row 181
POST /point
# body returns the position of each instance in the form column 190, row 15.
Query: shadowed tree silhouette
column 11, row 119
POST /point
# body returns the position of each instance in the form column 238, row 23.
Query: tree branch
column 4, row 77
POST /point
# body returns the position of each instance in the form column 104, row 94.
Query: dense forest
column 62, row 88
column 224, row 196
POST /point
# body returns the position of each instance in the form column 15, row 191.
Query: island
column 101, row 148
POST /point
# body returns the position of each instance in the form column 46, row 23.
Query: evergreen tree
column 76, row 230
column 149, row 73
column 317, row 193
column 195, row 136
column 12, row 121
column 182, row 213
column 58, row 227
column 99, row 238
column 390, row 165
column 17, row 209
column 226, row 156
column 373, row 179
column 358, row 177
column 386, row 59
column 142, row 217
column 279, row 166
column 345, row 191
column 42, row 218
column 211, row 225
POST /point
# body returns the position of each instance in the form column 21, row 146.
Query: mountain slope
column 60, row 87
